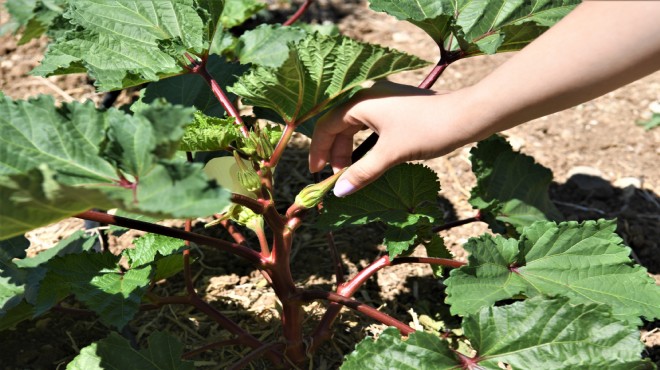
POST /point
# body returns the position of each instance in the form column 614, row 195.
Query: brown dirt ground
column 598, row 138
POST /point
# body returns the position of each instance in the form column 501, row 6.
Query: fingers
column 365, row 171
column 333, row 140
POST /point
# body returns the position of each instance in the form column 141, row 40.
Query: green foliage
column 652, row 123
column 586, row 262
column 319, row 72
column 267, row 45
column 57, row 162
column 479, row 27
column 537, row 333
column 125, row 43
column 404, row 199
column 512, row 189
column 114, row 352
column 209, row 134
column 34, row 18
column 191, row 90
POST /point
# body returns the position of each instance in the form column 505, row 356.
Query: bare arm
column 600, row 46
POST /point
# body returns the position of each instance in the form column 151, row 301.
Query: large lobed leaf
column 34, row 18
column 403, row 198
column 511, row 188
column 535, row 334
column 586, row 262
column 57, row 162
column 126, row 42
column 319, row 71
column 114, row 352
column 479, row 27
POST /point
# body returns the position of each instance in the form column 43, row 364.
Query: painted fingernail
column 343, row 188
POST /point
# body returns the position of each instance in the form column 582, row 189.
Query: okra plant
column 578, row 299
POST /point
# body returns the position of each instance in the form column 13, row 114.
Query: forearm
column 600, row 46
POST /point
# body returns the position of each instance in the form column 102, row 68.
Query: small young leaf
column 209, row 134
column 436, row 248
column 318, row 72
column 114, row 352
column 534, row 334
column 651, row 123
column 403, row 198
column 511, row 188
column 585, row 262
column 125, row 43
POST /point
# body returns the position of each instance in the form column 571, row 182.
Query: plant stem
column 310, row 295
column 254, row 355
column 234, row 232
column 200, row 69
column 281, row 145
column 253, row 204
column 187, row 275
column 298, row 13
column 453, row 224
column 236, row 249
column 322, row 331
column 210, row 346
column 433, row 76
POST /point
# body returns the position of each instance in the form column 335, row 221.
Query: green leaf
column 13, row 281
column 436, row 248
column 403, row 198
column 478, row 27
column 652, row 123
column 125, row 43
column 97, row 280
column 114, row 352
column 17, row 314
column 191, row 90
column 58, row 162
column 534, row 334
column 149, row 246
column 432, row 16
column 511, row 188
column 267, row 45
column 586, row 262
column 319, row 71
column 236, row 12
column 209, row 134
column 75, row 243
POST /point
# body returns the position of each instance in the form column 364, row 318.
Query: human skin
column 599, row 47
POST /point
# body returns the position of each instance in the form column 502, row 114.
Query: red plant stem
column 254, row 205
column 310, row 295
column 187, row 275
column 210, row 346
column 233, row 232
column 236, row 249
column 254, row 355
column 263, row 242
column 322, row 331
column 298, row 13
column 336, row 259
column 433, row 76
column 201, row 70
column 453, row 224
column 281, row 145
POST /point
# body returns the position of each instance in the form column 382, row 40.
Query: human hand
column 412, row 123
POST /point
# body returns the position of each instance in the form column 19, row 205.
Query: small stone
column 655, row 107
column 585, row 170
column 516, row 142
column 624, row 182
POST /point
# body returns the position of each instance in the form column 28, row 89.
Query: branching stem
column 236, row 249
column 450, row 225
column 298, row 13
column 310, row 295
column 281, row 145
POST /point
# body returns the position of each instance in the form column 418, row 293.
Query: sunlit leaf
column 534, row 334
column 586, row 262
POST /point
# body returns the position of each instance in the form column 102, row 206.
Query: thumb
column 364, row 171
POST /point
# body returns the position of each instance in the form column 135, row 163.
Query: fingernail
column 343, row 188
